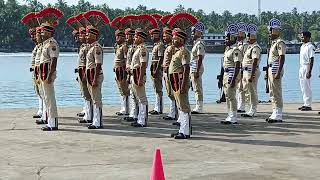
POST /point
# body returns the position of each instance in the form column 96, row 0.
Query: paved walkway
column 251, row 150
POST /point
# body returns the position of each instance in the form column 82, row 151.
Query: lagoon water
column 16, row 89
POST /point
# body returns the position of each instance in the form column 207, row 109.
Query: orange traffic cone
column 157, row 168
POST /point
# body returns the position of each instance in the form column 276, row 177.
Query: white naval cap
column 199, row 26
column 232, row 29
column 274, row 24
column 252, row 29
column 242, row 27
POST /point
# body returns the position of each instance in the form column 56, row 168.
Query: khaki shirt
column 120, row 55
column 198, row 49
column 157, row 51
column 242, row 46
column 180, row 58
column 278, row 48
column 83, row 50
column 231, row 56
column 253, row 52
column 94, row 55
column 38, row 55
column 168, row 53
column 132, row 48
column 33, row 55
column 140, row 55
column 50, row 49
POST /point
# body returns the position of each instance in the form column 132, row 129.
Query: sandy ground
column 251, row 150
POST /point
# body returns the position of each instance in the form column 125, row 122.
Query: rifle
column 267, row 67
column 220, row 82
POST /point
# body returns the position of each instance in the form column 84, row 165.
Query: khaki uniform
column 168, row 53
column 157, row 74
column 180, row 59
column 94, row 57
column 277, row 49
column 197, row 50
column 250, row 88
column 35, row 63
column 119, row 68
column 231, row 56
column 81, row 75
column 134, row 107
column 50, row 49
column 82, row 79
column 242, row 46
column 139, row 56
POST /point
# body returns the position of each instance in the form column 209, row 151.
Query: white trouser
column 97, row 116
column 40, row 106
column 276, row 114
column 124, row 104
column 143, row 114
column 173, row 109
column 44, row 115
column 88, row 111
column 185, row 123
column 179, row 116
column 158, row 105
column 232, row 116
column 305, row 85
column 84, row 106
column 134, row 108
column 199, row 106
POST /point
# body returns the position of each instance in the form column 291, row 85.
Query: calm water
column 17, row 91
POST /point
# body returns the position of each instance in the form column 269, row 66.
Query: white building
column 213, row 38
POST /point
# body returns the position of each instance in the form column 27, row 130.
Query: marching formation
column 171, row 64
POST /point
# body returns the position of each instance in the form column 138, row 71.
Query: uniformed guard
column 79, row 23
column 179, row 71
column 94, row 58
column 48, row 63
column 138, row 67
column 196, row 67
column 131, row 23
column 119, row 66
column 168, row 53
column 275, row 71
column 232, row 76
column 242, row 46
column 31, row 21
column 155, row 68
column 251, row 71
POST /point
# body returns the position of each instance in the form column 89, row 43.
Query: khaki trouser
column 241, row 94
column 49, row 97
column 168, row 86
column 182, row 100
column 197, row 85
column 139, row 92
column 157, row 82
column 250, row 88
column 123, row 87
column 275, row 87
column 230, row 93
column 84, row 89
column 95, row 92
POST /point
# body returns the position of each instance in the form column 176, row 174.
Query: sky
column 234, row 6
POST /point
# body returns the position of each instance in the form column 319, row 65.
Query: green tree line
column 14, row 35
